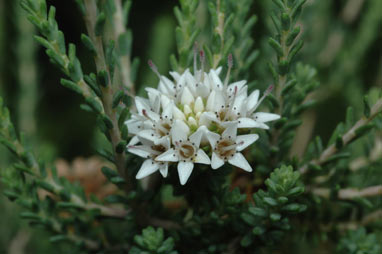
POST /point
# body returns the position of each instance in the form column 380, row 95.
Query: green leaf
column 94, row 104
column 88, row 43
column 337, row 157
column 285, row 21
column 295, row 49
column 279, row 4
column 364, row 130
column 246, row 240
column 275, row 216
column 125, row 42
column 102, row 78
column 248, row 218
column 276, row 46
column 100, row 23
column 366, row 110
column 270, row 201
column 71, row 85
column 292, row 35
column 109, row 173
column 117, row 98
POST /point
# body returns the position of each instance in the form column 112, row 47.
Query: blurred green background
column 342, row 41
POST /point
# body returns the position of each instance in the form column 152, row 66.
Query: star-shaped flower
column 228, row 147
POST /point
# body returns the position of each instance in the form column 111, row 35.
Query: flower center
column 225, row 148
column 187, row 150
column 163, row 128
column 157, row 150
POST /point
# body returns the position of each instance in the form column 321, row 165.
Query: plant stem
column 115, row 212
column 282, row 79
column 107, row 92
column 350, row 193
column 219, row 29
column 346, row 138
column 125, row 61
column 26, row 72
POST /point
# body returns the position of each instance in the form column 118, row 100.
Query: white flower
column 186, row 150
column 182, row 119
column 150, row 150
column 227, row 147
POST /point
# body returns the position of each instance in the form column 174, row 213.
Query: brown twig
column 166, row 224
column 107, row 92
column 125, row 61
column 115, row 212
column 350, row 193
column 346, row 138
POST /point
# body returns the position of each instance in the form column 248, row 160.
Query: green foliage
column 269, row 216
column 185, row 33
column 331, row 184
column 359, row 242
column 152, row 242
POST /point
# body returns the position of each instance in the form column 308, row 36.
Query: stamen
column 266, row 93
column 154, row 68
column 144, row 112
column 161, row 128
column 229, row 110
column 195, row 57
column 202, row 58
column 227, row 148
column 230, row 64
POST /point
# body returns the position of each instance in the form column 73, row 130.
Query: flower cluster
column 195, row 119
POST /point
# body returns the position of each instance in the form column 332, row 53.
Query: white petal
column 154, row 98
column 141, row 104
column 163, row 169
column 187, row 97
column 148, row 167
column 148, row 134
column 203, row 88
column 230, row 131
column 202, row 157
column 191, row 82
column 212, row 138
column 175, row 75
column 245, row 122
column 168, row 84
column 133, row 126
column 219, row 101
column 164, row 141
column 239, row 85
column 211, row 101
column 218, row 70
column 184, row 171
column 197, row 136
column 164, row 100
column 152, row 115
column 216, row 161
column 264, row 117
column 252, row 100
column 179, row 131
column 187, row 110
column 167, row 112
column 192, row 121
column 240, row 161
column 243, row 141
column 169, row 155
column 133, row 141
column 182, row 81
column 199, row 106
column 138, row 150
column 217, row 83
column 178, row 114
